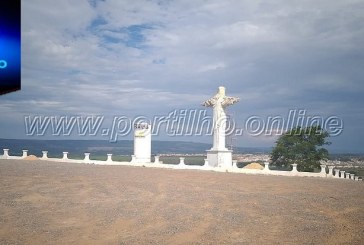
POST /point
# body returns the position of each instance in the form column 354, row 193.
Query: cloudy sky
column 116, row 57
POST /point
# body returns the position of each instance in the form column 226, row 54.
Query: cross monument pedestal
column 219, row 155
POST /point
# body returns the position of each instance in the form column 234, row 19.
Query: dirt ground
column 59, row 203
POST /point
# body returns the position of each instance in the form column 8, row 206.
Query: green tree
column 302, row 146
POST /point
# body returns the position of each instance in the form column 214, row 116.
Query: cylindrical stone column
column 25, row 153
column 45, row 154
column 181, row 161
column 323, row 170
column 6, row 153
column 294, row 167
column 87, row 157
column 206, row 162
column 352, row 176
column 235, row 163
column 109, row 158
column 337, row 173
column 65, row 155
column 156, row 159
column 331, row 168
column 266, row 166
column 342, row 174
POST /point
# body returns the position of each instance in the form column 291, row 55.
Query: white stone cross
column 219, row 102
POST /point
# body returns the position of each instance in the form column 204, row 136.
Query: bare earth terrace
column 63, row 203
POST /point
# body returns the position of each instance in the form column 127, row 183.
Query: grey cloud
column 274, row 55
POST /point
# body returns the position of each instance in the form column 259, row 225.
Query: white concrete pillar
column 133, row 159
column 45, row 154
column 65, row 155
column 87, row 157
column 142, row 142
column 347, row 175
column 331, row 174
column 342, row 174
column 337, row 173
column 356, row 177
column 156, row 159
column 109, row 158
column 294, row 166
column 266, row 166
column 181, row 161
column 25, row 153
column 323, row 170
column 352, row 176
column 235, row 163
column 206, row 162
column 6, row 153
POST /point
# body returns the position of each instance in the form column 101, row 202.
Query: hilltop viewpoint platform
column 45, row 202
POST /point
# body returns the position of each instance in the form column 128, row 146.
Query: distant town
column 338, row 160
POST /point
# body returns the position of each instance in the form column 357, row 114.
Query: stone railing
column 331, row 173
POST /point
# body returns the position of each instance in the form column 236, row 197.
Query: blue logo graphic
column 3, row 64
column 10, row 65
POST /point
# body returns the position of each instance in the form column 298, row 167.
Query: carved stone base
column 219, row 158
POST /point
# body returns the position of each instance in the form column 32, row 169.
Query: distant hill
column 102, row 147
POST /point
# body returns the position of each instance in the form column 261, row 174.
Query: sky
column 133, row 58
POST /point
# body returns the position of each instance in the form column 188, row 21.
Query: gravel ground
column 59, row 203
